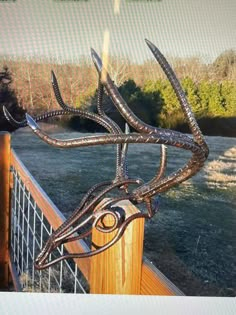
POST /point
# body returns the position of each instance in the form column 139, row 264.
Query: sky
column 67, row 29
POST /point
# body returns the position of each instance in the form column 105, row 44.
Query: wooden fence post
column 5, row 143
column 118, row 269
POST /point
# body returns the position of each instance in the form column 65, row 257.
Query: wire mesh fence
column 29, row 231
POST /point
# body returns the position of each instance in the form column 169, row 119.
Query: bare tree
column 119, row 69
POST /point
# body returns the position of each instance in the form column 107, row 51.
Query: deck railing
column 28, row 217
column 29, row 231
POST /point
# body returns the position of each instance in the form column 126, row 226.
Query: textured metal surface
column 84, row 216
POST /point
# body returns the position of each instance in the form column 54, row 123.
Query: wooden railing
column 119, row 270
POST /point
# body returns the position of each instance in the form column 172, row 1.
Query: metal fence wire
column 29, row 231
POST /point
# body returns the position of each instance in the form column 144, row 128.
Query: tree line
column 210, row 89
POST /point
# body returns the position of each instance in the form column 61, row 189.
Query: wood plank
column 153, row 282
column 118, row 269
column 50, row 211
column 5, row 143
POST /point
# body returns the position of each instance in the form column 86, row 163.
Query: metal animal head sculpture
column 144, row 192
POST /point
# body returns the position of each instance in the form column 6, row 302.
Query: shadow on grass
column 216, row 126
